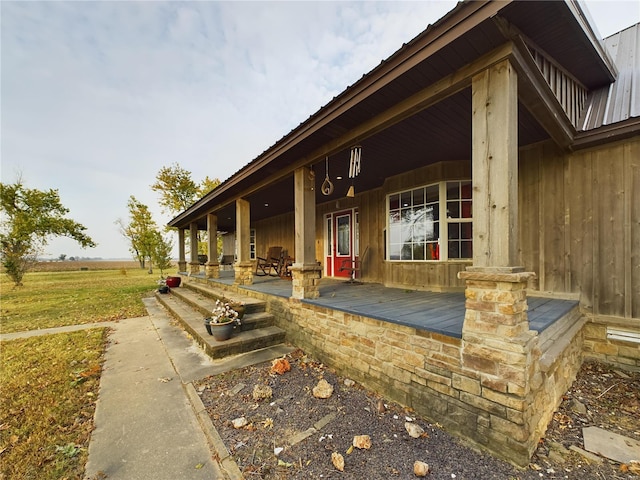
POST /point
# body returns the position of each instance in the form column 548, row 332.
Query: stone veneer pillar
column 243, row 273
column 194, row 268
column 305, row 280
column 212, row 270
column 499, row 360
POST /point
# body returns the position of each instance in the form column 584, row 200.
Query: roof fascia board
column 460, row 20
column 585, row 21
column 607, row 134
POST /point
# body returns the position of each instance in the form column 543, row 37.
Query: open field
column 67, row 265
column 50, row 383
column 54, row 299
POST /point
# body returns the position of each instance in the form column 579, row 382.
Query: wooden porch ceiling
column 440, row 133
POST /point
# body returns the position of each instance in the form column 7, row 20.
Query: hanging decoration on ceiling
column 354, row 168
column 327, row 186
column 354, row 164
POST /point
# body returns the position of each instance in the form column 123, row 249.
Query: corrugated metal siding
column 620, row 100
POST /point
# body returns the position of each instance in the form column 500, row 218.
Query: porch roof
column 469, row 32
column 439, row 312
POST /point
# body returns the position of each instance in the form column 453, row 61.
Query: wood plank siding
column 571, row 94
column 580, row 224
column 579, row 217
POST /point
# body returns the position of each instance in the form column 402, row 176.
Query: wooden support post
column 213, row 268
column 306, row 270
column 193, row 239
column 182, row 259
column 495, row 167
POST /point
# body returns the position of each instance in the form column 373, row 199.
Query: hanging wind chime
column 354, row 167
column 327, row 186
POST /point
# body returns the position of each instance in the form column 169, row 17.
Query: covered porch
column 439, row 312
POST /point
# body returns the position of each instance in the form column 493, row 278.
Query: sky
column 96, row 97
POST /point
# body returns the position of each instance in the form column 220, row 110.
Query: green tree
column 161, row 254
column 141, row 231
column 178, row 191
column 30, row 217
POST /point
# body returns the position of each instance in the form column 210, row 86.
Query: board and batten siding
column 580, row 224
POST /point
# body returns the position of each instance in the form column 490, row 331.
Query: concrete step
column 245, row 339
column 217, row 293
column 254, row 317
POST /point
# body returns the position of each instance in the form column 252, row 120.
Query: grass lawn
column 54, row 299
column 50, row 383
column 49, row 388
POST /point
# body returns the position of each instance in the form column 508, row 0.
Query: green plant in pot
column 225, row 317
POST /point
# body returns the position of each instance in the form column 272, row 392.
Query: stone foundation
column 305, row 280
column 489, row 387
column 212, row 270
column 624, row 354
column 194, row 268
column 243, row 273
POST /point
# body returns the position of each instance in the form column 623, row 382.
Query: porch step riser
column 254, row 335
column 252, row 305
column 255, row 316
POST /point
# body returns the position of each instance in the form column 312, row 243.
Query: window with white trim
column 433, row 222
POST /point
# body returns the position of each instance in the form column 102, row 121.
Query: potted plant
column 225, row 316
column 172, row 282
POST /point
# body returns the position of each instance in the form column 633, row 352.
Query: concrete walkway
column 149, row 422
column 145, row 425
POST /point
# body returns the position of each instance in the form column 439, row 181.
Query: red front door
column 341, row 237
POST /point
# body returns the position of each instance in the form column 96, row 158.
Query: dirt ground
column 308, row 430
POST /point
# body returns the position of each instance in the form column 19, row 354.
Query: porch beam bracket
column 536, row 95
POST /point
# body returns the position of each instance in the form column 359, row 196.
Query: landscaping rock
column 261, row 392
column 338, row 461
column 414, row 430
column 362, row 442
column 323, row 389
column 420, row 469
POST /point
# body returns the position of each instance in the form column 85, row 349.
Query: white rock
column 348, row 382
column 239, row 422
column 414, row 430
column 277, row 451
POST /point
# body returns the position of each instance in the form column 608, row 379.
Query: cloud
column 98, row 96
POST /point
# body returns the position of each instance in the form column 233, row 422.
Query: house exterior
column 497, row 153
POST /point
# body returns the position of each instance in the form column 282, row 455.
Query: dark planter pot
column 173, row 282
column 202, row 259
column 219, row 331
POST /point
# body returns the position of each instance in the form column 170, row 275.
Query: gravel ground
column 309, row 429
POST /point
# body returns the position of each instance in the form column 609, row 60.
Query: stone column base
column 194, row 268
column 305, row 280
column 499, row 357
column 182, row 266
column 243, row 273
column 212, row 270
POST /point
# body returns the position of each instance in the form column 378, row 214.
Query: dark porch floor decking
column 431, row 311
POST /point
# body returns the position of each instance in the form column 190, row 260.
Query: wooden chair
column 271, row 261
column 353, row 265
